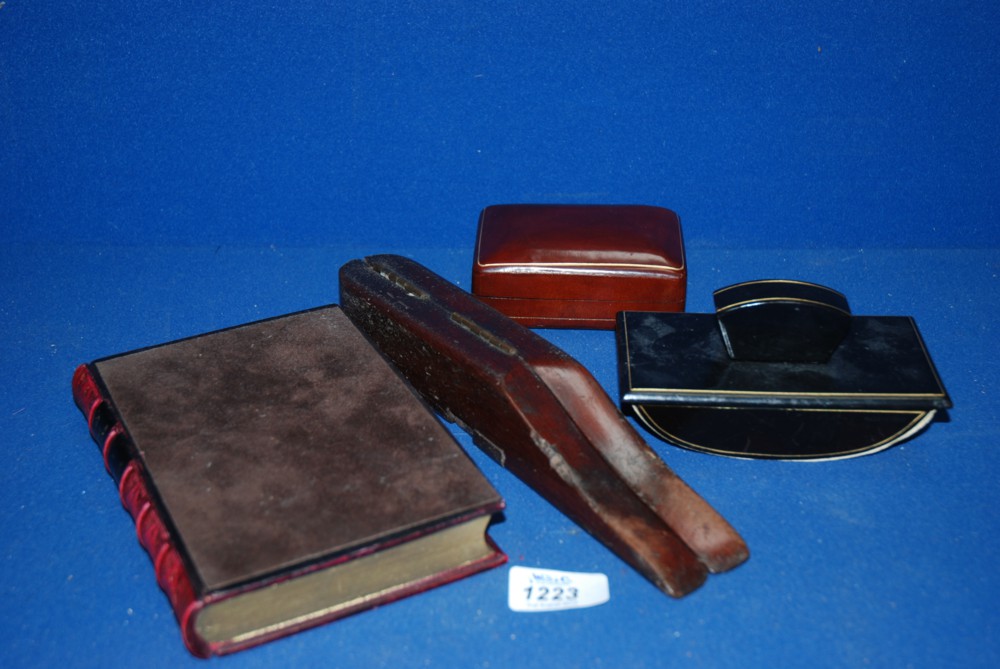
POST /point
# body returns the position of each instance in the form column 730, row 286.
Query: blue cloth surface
column 170, row 169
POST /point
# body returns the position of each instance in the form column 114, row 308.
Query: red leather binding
column 438, row 489
column 171, row 574
column 86, row 394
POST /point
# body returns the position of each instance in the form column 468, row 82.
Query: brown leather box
column 577, row 266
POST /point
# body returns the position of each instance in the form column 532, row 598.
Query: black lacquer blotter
column 781, row 370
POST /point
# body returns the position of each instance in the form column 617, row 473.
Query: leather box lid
column 627, row 253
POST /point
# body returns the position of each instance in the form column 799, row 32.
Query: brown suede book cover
column 284, row 450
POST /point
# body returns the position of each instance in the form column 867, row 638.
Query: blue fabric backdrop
column 170, row 168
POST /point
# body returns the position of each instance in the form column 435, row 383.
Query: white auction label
column 534, row 590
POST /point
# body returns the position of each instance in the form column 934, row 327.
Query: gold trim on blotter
column 920, row 419
column 734, row 305
column 792, row 281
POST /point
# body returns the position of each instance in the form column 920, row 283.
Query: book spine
column 111, row 438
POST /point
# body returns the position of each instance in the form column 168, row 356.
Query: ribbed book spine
column 112, row 439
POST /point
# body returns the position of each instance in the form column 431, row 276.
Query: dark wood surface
column 538, row 413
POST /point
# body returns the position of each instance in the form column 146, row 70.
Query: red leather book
column 281, row 474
